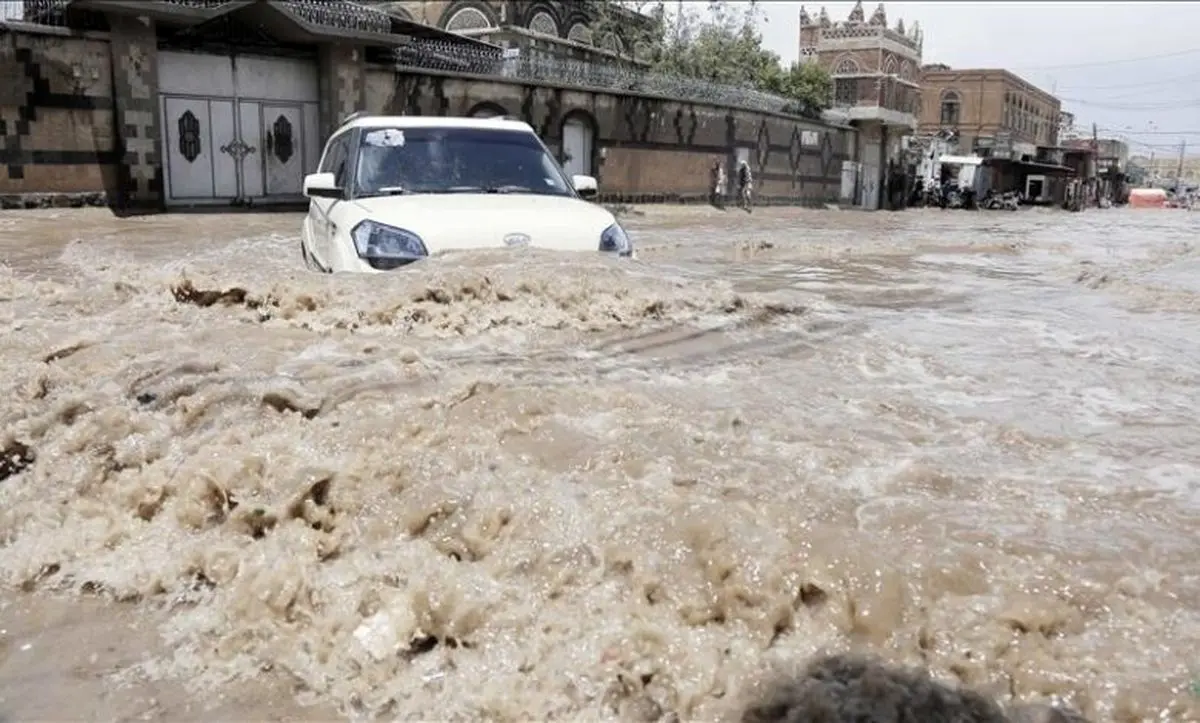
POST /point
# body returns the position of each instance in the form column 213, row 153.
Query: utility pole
column 1179, row 171
column 1096, row 160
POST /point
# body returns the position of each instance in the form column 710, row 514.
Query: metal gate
column 868, row 178
column 850, row 170
column 239, row 130
column 577, row 147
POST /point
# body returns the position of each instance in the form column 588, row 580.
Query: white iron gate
column 237, row 129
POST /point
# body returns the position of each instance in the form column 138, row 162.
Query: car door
column 320, row 210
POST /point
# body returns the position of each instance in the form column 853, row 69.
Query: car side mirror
column 321, row 185
column 585, row 186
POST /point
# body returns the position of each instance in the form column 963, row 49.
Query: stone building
column 994, row 112
column 875, row 69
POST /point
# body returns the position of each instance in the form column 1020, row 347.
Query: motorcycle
column 1009, row 201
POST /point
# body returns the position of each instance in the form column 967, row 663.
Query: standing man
column 745, row 186
column 718, row 184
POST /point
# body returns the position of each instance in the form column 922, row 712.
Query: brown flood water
column 514, row 486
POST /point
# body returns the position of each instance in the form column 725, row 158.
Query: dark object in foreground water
column 851, row 689
column 15, row 458
column 185, row 293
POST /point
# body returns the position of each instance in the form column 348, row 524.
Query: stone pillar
column 342, row 84
column 135, row 94
column 885, row 157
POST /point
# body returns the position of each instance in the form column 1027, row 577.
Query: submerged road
column 525, row 486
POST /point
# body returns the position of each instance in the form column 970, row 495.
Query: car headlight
column 386, row 247
column 615, row 240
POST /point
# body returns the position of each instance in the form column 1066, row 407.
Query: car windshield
column 395, row 161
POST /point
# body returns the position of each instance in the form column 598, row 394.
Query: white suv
column 391, row 190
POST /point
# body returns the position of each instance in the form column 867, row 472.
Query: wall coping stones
column 16, row 201
column 17, row 26
column 414, row 70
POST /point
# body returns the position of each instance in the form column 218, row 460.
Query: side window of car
column 335, row 158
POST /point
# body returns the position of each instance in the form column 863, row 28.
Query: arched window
column 889, row 66
column 846, row 66
column 468, row 19
column 580, row 33
column 487, row 110
column 951, row 108
column 610, row 41
column 906, row 70
column 543, row 24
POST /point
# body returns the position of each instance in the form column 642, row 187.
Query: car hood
column 473, row 221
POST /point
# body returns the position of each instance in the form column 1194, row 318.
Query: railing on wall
column 40, row 12
column 50, row 13
column 332, row 13
column 543, row 68
column 339, row 14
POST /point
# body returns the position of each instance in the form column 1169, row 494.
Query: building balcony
column 877, row 98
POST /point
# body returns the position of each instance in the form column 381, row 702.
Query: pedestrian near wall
column 718, row 184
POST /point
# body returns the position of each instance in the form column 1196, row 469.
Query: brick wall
column 645, row 149
column 57, row 131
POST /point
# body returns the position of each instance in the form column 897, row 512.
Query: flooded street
column 532, row 486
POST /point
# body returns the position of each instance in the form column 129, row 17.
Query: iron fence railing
column 547, row 68
column 39, row 12
column 331, row 13
column 50, row 13
column 341, row 14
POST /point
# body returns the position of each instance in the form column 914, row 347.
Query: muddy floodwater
column 519, row 485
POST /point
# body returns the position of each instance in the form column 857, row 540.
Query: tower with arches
column 876, row 70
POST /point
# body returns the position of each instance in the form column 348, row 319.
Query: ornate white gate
column 237, row 129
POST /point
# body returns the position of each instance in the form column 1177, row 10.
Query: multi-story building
column 876, row 73
column 992, row 111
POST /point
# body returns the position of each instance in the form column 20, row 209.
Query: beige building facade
column 994, row 111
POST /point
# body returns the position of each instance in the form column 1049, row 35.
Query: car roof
column 430, row 121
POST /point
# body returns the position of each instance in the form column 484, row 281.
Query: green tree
column 717, row 43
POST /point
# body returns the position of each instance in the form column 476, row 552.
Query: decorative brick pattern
column 135, row 90
column 342, row 84
column 55, row 113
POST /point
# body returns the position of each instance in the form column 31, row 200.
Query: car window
column 456, row 160
column 336, row 156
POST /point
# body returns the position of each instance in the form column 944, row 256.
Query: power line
column 1152, row 133
column 1139, row 107
column 1119, row 61
column 1142, row 84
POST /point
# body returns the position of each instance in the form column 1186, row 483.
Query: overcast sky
column 1093, row 55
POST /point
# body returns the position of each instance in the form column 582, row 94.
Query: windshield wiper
column 388, row 191
column 484, row 189
column 399, row 190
